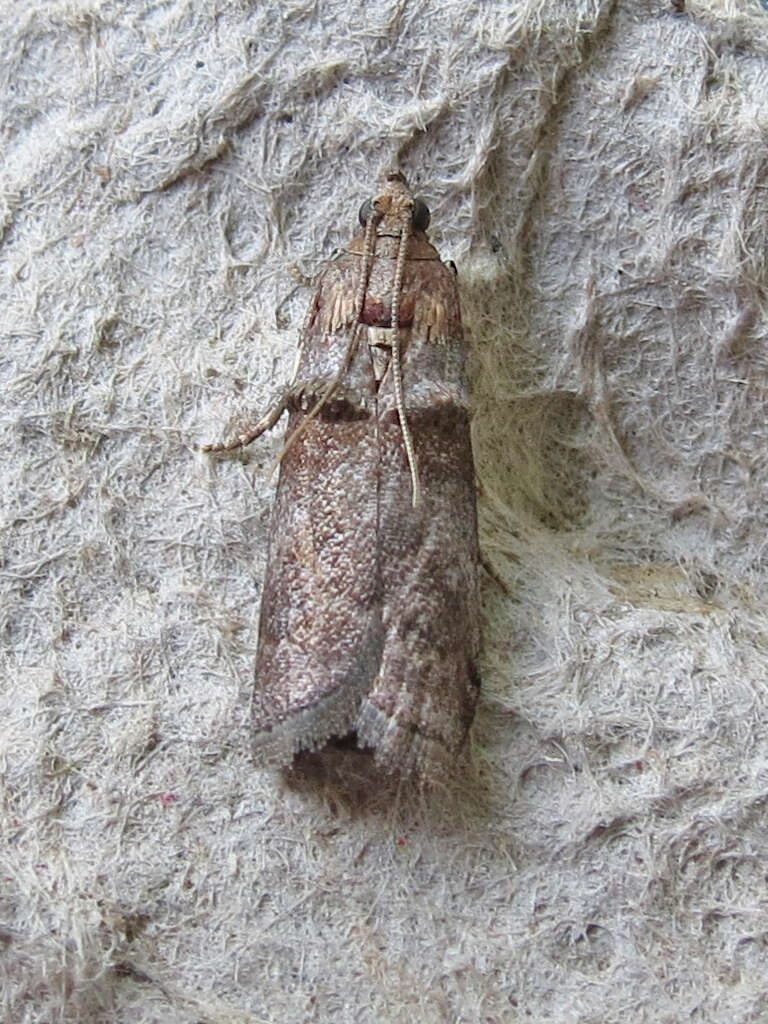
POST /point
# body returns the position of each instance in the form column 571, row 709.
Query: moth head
column 393, row 204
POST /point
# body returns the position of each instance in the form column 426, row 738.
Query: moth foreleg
column 267, row 421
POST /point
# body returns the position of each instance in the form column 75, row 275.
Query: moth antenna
column 397, row 372
column 303, row 338
column 368, row 247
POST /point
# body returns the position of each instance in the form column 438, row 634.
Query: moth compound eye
column 420, row 215
column 365, row 211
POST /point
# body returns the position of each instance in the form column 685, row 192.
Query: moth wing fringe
column 332, row 716
column 410, row 754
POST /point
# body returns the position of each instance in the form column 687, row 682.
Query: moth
column 369, row 617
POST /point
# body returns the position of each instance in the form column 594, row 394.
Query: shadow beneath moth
column 369, row 617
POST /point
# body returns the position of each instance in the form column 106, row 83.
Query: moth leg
column 306, row 394
column 494, row 574
column 265, row 423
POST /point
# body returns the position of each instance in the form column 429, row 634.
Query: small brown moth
column 369, row 616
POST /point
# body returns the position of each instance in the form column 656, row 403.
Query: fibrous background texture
column 172, row 176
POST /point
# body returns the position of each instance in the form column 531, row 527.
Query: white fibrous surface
column 172, row 176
